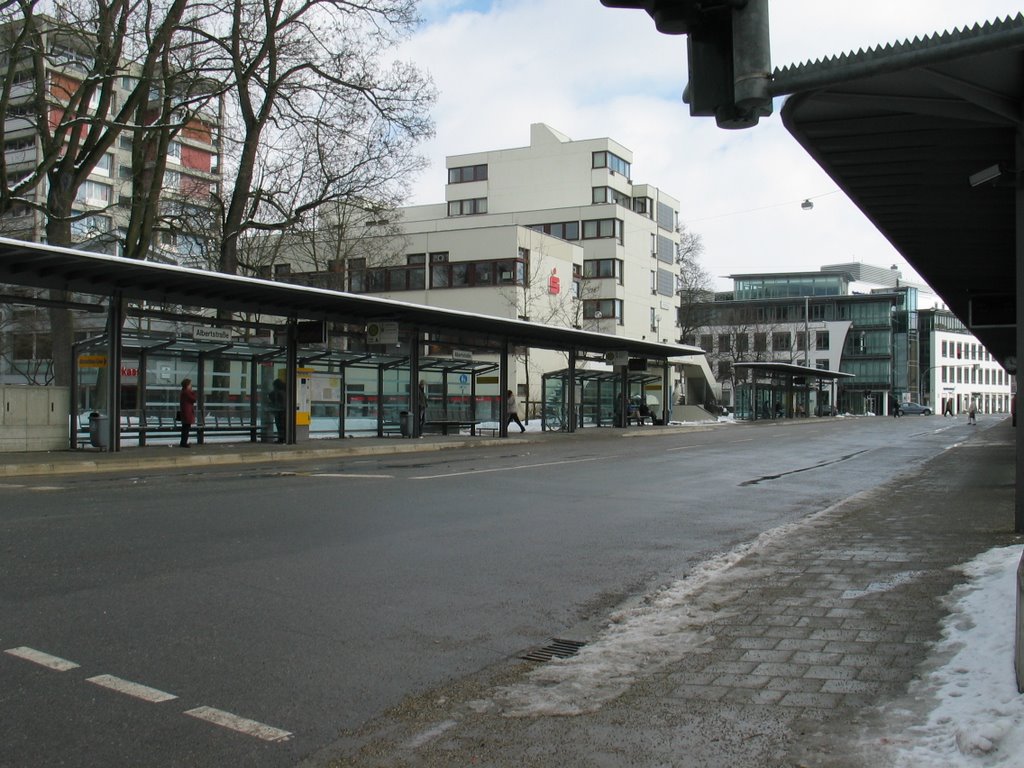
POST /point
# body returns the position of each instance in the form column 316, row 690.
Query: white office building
column 555, row 232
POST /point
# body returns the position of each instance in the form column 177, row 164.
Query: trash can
column 403, row 423
column 98, row 429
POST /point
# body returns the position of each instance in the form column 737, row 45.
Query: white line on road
column 46, row 488
column 349, row 474
column 511, row 469
column 240, row 724
column 681, row 448
column 42, row 659
column 128, row 688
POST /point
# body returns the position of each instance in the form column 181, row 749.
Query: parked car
column 915, row 409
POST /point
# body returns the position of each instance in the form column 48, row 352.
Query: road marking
column 349, row 474
column 681, row 448
column 511, row 469
column 46, row 488
column 128, row 688
column 42, row 659
column 11, row 485
column 240, row 724
column 745, row 440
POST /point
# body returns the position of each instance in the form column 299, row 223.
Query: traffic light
column 729, row 55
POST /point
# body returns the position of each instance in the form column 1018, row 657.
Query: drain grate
column 563, row 649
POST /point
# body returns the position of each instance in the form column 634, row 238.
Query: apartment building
column 101, row 209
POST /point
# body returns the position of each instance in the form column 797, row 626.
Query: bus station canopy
column 64, row 269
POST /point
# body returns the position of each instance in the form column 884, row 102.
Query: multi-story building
column 101, row 208
column 853, row 318
column 555, row 232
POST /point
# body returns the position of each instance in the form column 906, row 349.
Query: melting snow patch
column 977, row 715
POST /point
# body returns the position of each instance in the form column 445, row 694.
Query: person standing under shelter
column 186, row 410
column 512, row 404
column 277, row 407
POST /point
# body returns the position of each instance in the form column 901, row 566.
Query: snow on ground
column 965, row 712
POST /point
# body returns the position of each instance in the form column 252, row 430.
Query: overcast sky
column 592, row 72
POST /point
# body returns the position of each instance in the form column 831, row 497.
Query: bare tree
column 695, row 286
column 314, row 118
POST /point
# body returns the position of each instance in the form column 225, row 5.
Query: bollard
column 1018, row 657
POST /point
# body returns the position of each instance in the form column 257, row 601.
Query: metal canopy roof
column 45, row 266
column 792, row 369
column 902, row 144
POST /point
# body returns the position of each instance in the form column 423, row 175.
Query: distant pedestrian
column 947, row 408
column 972, row 412
column 894, row 406
column 513, row 410
column 278, row 400
column 422, row 405
column 186, row 410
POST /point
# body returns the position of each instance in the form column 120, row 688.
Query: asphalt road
column 242, row 617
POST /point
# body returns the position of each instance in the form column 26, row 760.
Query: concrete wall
column 33, row 418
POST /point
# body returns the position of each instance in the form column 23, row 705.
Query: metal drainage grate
column 563, row 649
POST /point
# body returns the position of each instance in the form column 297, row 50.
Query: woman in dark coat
column 187, row 408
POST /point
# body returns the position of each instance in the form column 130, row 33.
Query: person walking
column 513, row 410
column 972, row 412
column 186, row 410
column 947, row 409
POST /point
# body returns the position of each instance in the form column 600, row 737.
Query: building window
column 781, row 340
column 566, row 230
column 612, row 162
column 644, row 206
column 742, row 342
column 666, row 217
column 821, row 340
column 724, row 369
column 467, row 207
column 724, row 342
column 608, row 195
column 89, row 226
column 172, row 180
column 603, row 268
column 467, row 173
column 598, row 309
column 174, row 151
column 93, row 193
column 707, row 342
column 760, row 342
column 601, row 228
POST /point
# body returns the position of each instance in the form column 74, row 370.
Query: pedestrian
column 277, row 407
column 947, row 408
column 972, row 412
column 894, row 406
column 513, row 410
column 186, row 410
column 422, row 405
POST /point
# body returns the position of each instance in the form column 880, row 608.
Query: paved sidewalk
column 778, row 659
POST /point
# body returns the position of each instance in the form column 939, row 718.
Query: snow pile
column 976, row 715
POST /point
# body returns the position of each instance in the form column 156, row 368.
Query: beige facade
column 554, row 232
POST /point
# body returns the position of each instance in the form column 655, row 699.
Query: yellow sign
column 92, row 361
